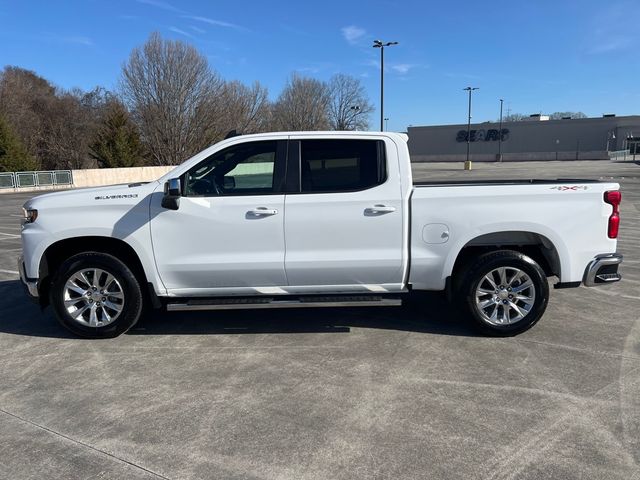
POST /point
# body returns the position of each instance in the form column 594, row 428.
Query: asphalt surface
column 406, row 392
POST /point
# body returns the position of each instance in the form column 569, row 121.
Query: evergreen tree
column 13, row 155
column 117, row 141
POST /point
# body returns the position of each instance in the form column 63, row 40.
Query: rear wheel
column 504, row 293
column 95, row 295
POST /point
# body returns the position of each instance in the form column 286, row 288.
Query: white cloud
column 398, row 68
column 181, row 32
column 353, row 34
column 605, row 34
column 215, row 23
column 197, row 29
column 373, row 63
column 402, row 68
column 611, row 45
column 160, row 4
column 86, row 41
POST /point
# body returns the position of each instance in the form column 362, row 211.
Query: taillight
column 613, row 198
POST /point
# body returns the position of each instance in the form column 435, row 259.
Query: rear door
column 343, row 223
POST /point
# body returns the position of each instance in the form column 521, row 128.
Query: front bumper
column 30, row 284
column 603, row 269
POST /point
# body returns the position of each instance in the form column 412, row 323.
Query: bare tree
column 246, row 109
column 67, row 130
column 54, row 125
column 517, row 117
column 23, row 96
column 561, row 115
column 302, row 105
column 173, row 95
column 514, row 117
column 349, row 108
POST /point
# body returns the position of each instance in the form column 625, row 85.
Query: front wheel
column 95, row 295
column 504, row 293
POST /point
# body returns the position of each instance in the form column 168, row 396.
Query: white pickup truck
column 314, row 219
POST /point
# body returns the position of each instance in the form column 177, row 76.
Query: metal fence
column 620, row 155
column 35, row 179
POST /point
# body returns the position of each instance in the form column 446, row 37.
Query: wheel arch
column 533, row 244
column 56, row 253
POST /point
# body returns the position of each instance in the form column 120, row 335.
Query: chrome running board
column 300, row 302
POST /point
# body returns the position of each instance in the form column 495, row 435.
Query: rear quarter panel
column 573, row 217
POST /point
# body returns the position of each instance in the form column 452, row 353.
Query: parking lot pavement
column 331, row 394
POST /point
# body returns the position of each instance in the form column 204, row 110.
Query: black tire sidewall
column 129, row 283
column 505, row 258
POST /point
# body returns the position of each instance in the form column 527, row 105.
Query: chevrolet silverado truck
column 314, row 219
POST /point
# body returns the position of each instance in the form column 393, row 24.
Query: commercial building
column 536, row 138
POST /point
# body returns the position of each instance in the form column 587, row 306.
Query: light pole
column 500, row 133
column 467, row 163
column 557, row 146
column 379, row 44
column 356, row 111
column 611, row 135
column 386, row 123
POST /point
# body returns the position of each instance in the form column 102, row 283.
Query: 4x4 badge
column 573, row 188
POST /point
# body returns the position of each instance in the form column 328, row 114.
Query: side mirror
column 172, row 194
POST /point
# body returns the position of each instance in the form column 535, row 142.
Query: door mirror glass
column 172, row 194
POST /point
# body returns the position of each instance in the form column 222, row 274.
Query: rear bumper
column 603, row 269
column 30, row 284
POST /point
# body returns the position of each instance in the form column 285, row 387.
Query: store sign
column 491, row 135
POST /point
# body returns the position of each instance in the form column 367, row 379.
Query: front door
column 228, row 232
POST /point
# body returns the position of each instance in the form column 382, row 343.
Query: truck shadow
column 423, row 313
column 21, row 316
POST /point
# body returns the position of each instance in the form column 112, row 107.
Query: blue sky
column 539, row 55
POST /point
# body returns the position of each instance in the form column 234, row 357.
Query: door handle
column 262, row 212
column 378, row 209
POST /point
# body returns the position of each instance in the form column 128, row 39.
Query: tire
column 506, row 305
column 79, row 305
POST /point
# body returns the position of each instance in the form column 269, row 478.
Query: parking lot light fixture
column 356, row 110
column 380, row 44
column 467, row 163
column 500, row 133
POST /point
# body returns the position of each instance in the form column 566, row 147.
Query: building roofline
column 534, row 122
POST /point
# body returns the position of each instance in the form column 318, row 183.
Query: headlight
column 30, row 215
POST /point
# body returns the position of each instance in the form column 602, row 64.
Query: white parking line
column 13, row 235
column 12, row 272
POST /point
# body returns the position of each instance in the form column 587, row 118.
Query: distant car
column 314, row 219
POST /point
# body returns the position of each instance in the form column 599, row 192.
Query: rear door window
column 341, row 165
